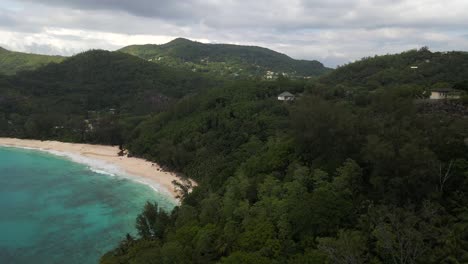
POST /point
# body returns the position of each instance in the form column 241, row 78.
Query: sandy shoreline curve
column 108, row 161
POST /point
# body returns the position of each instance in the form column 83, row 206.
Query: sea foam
column 103, row 168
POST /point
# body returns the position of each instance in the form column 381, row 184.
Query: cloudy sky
column 332, row 31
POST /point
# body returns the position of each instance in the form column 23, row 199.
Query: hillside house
column 444, row 93
column 286, row 96
column 269, row 75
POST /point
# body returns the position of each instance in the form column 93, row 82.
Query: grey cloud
column 333, row 31
column 166, row 9
column 36, row 18
column 278, row 14
column 8, row 20
column 45, row 49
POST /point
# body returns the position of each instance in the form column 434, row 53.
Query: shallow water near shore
column 53, row 210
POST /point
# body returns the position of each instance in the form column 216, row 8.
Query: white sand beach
column 107, row 159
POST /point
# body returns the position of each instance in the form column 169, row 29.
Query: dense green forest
column 227, row 60
column 353, row 171
column 84, row 98
column 12, row 62
column 330, row 178
column 232, row 61
column 421, row 68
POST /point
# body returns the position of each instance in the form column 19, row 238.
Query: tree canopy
column 355, row 170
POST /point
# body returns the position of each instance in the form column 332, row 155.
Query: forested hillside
column 13, row 62
column 421, row 68
column 337, row 176
column 97, row 87
column 227, row 60
column 327, row 179
column 218, row 59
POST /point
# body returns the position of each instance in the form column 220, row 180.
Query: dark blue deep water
column 53, row 210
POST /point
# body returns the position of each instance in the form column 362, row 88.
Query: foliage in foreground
column 323, row 180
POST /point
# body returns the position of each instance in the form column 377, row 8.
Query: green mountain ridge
column 328, row 178
column 414, row 67
column 218, row 59
column 92, row 85
column 226, row 59
column 12, row 62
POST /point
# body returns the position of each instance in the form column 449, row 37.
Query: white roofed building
column 286, row 96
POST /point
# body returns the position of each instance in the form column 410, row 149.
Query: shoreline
column 104, row 159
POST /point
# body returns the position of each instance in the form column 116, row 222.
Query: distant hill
column 415, row 67
column 101, row 79
column 12, row 62
column 95, row 86
column 226, row 59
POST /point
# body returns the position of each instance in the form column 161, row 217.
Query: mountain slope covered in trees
column 96, row 86
column 224, row 59
column 326, row 179
column 421, row 68
column 12, row 62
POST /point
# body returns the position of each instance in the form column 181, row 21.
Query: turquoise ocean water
column 53, row 210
